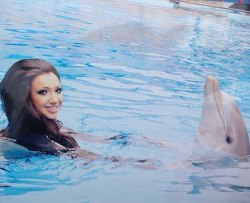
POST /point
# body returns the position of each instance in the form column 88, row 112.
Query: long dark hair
column 22, row 115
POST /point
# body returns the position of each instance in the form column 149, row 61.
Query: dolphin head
column 222, row 127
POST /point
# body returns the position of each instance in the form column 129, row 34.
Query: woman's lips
column 52, row 109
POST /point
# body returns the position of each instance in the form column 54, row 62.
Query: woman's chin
column 51, row 116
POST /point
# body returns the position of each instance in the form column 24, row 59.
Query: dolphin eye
column 229, row 140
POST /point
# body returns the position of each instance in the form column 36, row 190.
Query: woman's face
column 46, row 94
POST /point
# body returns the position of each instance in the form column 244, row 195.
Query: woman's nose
column 53, row 98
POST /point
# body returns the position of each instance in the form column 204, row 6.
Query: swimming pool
column 136, row 71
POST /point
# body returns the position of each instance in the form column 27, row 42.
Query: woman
column 31, row 98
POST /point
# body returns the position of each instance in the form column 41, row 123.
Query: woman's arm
column 83, row 136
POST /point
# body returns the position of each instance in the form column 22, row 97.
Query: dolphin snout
column 211, row 78
column 211, row 85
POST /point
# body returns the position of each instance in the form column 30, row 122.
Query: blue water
column 134, row 70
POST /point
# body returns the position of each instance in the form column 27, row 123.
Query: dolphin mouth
column 212, row 88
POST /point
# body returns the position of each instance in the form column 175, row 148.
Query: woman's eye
column 42, row 92
column 59, row 90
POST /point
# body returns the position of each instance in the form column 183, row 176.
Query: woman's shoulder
column 9, row 149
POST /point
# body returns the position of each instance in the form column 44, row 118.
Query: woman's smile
column 52, row 109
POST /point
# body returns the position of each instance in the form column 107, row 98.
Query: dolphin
column 221, row 127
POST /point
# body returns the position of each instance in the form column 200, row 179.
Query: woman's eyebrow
column 39, row 88
column 45, row 87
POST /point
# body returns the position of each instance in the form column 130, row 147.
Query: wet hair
column 23, row 117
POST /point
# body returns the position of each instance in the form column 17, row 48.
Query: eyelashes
column 45, row 91
column 59, row 90
column 42, row 92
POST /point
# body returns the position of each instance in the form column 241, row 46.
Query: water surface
column 134, row 70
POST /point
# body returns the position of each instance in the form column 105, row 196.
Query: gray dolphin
column 222, row 127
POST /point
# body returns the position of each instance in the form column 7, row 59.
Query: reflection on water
column 133, row 77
